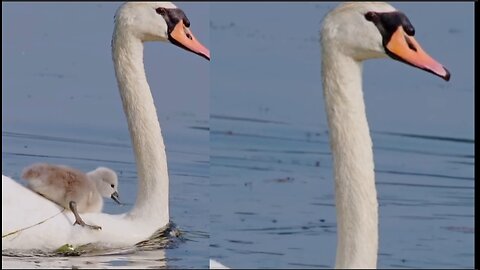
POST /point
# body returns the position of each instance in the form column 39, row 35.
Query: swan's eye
column 409, row 29
column 161, row 11
column 371, row 16
column 112, row 185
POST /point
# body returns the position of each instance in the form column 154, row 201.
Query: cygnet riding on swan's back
column 135, row 23
column 350, row 34
column 73, row 189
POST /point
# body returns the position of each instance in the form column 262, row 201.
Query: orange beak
column 406, row 49
column 183, row 37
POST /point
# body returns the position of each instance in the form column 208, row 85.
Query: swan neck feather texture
column 355, row 193
column 147, row 141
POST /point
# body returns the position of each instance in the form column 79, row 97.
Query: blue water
column 246, row 135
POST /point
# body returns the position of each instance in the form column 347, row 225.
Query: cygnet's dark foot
column 83, row 224
column 79, row 220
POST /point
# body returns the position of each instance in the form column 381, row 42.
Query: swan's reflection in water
column 142, row 259
column 150, row 253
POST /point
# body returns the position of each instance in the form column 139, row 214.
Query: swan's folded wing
column 22, row 208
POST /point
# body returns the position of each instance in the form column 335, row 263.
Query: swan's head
column 106, row 182
column 364, row 30
column 158, row 21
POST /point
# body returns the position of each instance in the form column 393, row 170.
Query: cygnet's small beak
column 115, row 197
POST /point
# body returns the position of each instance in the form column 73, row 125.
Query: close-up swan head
column 158, row 21
column 368, row 30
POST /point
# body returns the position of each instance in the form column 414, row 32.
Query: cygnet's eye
column 112, row 185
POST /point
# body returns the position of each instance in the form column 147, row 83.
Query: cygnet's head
column 364, row 30
column 157, row 21
column 106, row 182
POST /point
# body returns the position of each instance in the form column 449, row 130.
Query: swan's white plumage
column 135, row 22
column 142, row 119
column 31, row 209
column 347, row 39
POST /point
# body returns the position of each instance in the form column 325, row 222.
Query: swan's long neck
column 355, row 193
column 145, row 133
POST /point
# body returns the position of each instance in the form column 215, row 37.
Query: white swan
column 135, row 23
column 350, row 34
column 72, row 189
